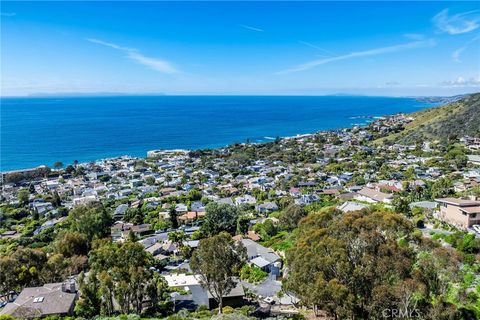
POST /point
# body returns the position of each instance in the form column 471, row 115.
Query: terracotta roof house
column 252, row 235
column 192, row 215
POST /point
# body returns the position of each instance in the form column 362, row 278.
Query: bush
column 228, row 310
column 252, row 274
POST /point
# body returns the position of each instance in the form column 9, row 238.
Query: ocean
column 41, row 131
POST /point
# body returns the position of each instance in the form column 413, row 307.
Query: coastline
column 89, row 129
column 267, row 140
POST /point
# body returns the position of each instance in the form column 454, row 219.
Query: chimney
column 473, row 197
column 73, row 288
column 64, row 287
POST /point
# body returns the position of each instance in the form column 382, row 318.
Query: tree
column 71, row 243
column 243, row 222
column 89, row 303
column 194, row 195
column 291, row 216
column 401, row 204
column 173, row 216
column 91, row 220
column 24, row 268
column 442, row 187
column 69, row 169
column 218, row 260
column 219, row 217
column 56, row 201
column 58, row 165
column 177, row 237
column 124, row 275
column 150, row 181
column 343, row 263
column 23, row 196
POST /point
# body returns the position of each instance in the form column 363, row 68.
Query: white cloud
column 463, row 82
column 356, row 54
column 458, row 23
column 133, row 54
column 251, row 28
column 7, row 14
column 456, row 54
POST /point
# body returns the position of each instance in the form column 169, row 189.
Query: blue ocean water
column 36, row 131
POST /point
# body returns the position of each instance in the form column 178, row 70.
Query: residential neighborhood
column 170, row 201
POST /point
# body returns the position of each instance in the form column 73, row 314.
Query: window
column 38, row 299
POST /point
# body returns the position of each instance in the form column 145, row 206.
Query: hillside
column 453, row 119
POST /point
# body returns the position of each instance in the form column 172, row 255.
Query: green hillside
column 453, row 119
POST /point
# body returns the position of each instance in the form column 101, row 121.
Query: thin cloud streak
column 311, row 45
column 356, row 54
column 458, row 23
column 251, row 28
column 456, row 54
column 135, row 55
column 7, row 14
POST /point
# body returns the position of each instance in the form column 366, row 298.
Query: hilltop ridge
column 453, row 119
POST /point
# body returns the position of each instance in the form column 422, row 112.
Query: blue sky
column 307, row 48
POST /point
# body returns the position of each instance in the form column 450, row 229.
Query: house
column 10, row 234
column 84, row 200
column 142, row 229
column 246, row 199
column 267, row 207
column 197, row 206
column 351, row 206
column 426, row 205
column 460, row 212
column 42, row 207
column 373, row 196
column 306, row 199
column 228, row 201
column 198, row 295
column 262, row 257
column 474, row 159
column 120, row 212
column 181, row 207
column 191, row 216
column 52, row 299
column 252, row 235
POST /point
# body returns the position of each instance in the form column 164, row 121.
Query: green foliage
column 91, row 220
column 23, row 195
column 252, row 274
column 291, row 216
column 455, row 119
column 351, row 264
column 218, row 260
column 122, row 271
column 71, row 243
column 220, row 217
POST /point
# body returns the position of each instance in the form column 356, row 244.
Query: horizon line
column 159, row 94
